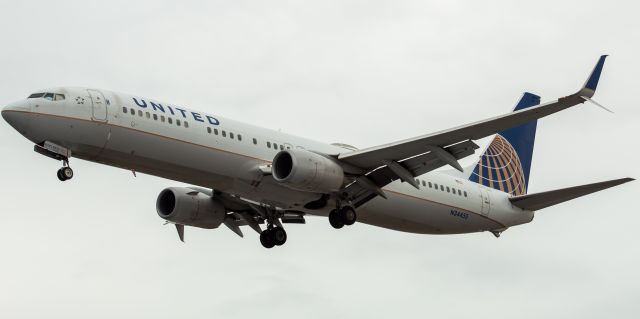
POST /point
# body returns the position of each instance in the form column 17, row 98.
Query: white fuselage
column 135, row 133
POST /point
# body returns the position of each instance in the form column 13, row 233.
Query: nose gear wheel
column 65, row 173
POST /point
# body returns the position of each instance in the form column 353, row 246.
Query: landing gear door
column 99, row 106
column 486, row 201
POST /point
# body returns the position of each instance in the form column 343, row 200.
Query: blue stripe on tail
column 506, row 163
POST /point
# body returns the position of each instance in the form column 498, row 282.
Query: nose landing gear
column 58, row 153
column 65, row 173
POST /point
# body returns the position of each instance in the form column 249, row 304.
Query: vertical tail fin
column 506, row 162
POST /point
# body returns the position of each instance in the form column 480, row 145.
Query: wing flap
column 417, row 165
column 542, row 200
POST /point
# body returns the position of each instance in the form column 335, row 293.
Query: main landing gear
column 65, row 173
column 340, row 217
column 274, row 235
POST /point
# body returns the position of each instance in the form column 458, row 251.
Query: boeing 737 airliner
column 251, row 176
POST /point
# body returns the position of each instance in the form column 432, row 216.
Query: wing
column 373, row 157
column 412, row 157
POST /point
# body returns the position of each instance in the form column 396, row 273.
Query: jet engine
column 186, row 206
column 307, row 171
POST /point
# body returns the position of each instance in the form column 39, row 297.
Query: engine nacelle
column 307, row 171
column 186, row 206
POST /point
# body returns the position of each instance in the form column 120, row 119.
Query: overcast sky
column 359, row 72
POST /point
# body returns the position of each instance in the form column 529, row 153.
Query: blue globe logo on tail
column 506, row 163
column 500, row 168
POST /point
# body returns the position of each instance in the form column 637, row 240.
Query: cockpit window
column 47, row 96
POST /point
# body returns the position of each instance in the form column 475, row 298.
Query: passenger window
column 215, row 131
column 178, row 122
column 436, row 185
column 48, row 96
column 148, row 115
column 155, row 117
column 281, row 147
column 162, row 118
column 169, row 120
column 430, row 185
column 275, row 146
column 459, row 193
column 269, row 144
column 209, row 130
column 230, row 135
column 139, row 113
column 448, row 190
column 124, row 110
column 224, row 133
column 465, row 193
column 239, row 137
column 255, row 141
column 424, row 183
column 59, row 97
column 186, row 124
column 133, row 112
column 442, row 188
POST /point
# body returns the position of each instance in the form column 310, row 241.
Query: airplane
column 244, row 175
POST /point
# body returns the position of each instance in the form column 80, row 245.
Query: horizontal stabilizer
column 545, row 199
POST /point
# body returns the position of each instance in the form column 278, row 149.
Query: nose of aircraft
column 15, row 115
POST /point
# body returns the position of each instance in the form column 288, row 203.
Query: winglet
column 590, row 86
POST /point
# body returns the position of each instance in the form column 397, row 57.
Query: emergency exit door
column 486, row 201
